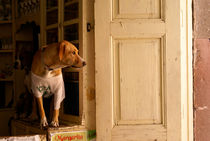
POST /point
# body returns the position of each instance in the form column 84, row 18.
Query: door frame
column 188, row 100
column 184, row 13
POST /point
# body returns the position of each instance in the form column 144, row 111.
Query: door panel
column 137, row 8
column 139, row 78
column 139, row 133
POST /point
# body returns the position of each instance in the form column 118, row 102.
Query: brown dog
column 46, row 75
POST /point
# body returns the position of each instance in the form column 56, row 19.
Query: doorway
column 60, row 20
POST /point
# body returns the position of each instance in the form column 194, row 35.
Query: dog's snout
column 84, row 63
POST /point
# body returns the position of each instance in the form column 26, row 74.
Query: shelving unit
column 7, row 51
column 27, row 18
column 7, row 58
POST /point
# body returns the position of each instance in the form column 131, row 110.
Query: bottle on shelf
column 5, row 10
column 6, row 44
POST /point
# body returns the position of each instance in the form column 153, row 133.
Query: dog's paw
column 54, row 123
column 43, row 122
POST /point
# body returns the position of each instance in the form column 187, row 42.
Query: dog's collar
column 48, row 68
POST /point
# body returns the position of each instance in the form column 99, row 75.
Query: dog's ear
column 62, row 47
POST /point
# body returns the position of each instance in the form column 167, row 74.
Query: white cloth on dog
column 48, row 86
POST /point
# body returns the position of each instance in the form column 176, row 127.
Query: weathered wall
column 201, row 70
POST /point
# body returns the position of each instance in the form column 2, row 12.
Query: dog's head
column 24, row 56
column 68, row 55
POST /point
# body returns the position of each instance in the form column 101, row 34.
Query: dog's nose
column 84, row 63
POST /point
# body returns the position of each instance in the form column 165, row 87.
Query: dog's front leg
column 43, row 122
column 55, row 122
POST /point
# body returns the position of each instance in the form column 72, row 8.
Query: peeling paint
column 196, row 55
column 202, row 108
column 122, row 25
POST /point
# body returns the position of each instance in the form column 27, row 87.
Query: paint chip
column 202, row 108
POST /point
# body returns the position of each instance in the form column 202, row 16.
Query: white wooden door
column 141, row 70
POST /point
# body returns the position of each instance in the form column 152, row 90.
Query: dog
column 46, row 75
column 23, row 60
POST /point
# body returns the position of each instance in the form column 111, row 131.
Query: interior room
column 27, row 26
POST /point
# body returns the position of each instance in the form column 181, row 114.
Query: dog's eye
column 73, row 52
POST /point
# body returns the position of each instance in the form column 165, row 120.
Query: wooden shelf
column 6, row 109
column 6, row 22
column 26, row 127
column 70, row 22
column 71, row 2
column 75, row 41
column 52, row 9
column 6, row 51
column 51, row 26
column 6, row 79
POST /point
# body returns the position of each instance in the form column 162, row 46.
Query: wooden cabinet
column 61, row 20
column 7, row 56
column 21, row 127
